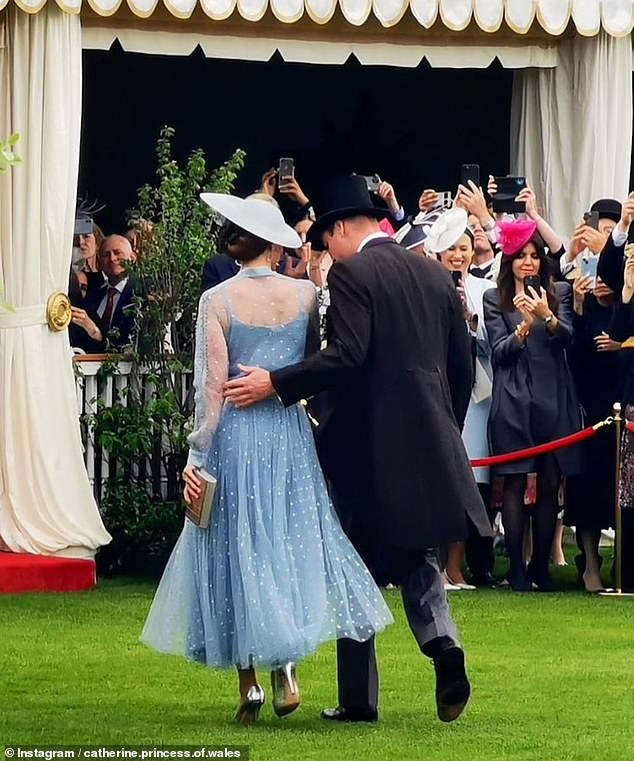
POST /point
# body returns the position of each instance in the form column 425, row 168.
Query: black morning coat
column 398, row 372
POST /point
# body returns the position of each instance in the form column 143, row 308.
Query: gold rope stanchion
column 618, row 517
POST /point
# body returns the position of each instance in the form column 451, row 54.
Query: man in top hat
column 397, row 370
column 610, row 267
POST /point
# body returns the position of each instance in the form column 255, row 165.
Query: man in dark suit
column 112, row 298
column 611, row 270
column 217, row 269
column 398, row 375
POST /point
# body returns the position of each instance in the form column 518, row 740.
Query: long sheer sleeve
column 211, row 369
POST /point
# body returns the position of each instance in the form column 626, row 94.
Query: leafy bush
column 177, row 233
column 144, row 530
column 144, row 432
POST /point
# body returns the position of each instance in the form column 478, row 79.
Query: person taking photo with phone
column 610, row 267
column 621, row 328
column 452, row 241
column 591, row 236
column 595, row 359
column 529, row 322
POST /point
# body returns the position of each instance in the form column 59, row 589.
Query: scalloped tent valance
column 588, row 16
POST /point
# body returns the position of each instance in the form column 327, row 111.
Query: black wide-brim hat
column 342, row 198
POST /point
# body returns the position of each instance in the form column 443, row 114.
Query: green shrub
column 144, row 433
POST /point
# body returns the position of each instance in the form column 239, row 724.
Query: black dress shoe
column 519, row 580
column 452, row 685
column 486, row 580
column 349, row 714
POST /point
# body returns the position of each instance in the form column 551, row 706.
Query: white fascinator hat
column 446, row 230
column 262, row 219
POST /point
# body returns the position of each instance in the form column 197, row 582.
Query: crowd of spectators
column 102, row 291
column 550, row 317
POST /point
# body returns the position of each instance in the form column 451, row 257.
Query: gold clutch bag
column 199, row 511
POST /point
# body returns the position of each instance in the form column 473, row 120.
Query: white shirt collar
column 119, row 286
column 372, row 236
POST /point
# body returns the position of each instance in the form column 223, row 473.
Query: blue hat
column 416, row 230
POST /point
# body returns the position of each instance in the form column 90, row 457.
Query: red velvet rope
column 522, row 454
column 629, row 425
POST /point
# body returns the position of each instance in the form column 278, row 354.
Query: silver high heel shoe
column 249, row 707
column 285, row 690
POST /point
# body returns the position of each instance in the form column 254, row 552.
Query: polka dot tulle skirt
column 273, row 576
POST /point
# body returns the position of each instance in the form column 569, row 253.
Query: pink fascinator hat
column 513, row 236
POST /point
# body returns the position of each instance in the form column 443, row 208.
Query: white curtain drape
column 571, row 127
column 46, row 504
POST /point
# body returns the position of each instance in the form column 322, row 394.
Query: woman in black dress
column 595, row 359
column 534, row 399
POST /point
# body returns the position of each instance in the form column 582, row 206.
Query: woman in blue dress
column 273, row 576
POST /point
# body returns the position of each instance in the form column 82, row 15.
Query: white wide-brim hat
column 256, row 216
column 446, row 230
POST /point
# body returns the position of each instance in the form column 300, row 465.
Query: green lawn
column 552, row 680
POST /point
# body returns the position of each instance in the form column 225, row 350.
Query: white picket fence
column 92, row 387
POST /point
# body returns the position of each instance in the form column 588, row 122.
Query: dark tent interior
column 414, row 127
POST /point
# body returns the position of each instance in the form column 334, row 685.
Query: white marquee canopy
column 616, row 17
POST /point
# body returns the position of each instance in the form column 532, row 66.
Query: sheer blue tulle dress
column 273, row 576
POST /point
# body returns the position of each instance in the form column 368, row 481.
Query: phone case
column 589, row 267
column 444, row 201
column 504, row 200
column 470, row 172
column 373, row 181
column 534, row 282
column 510, row 185
column 287, row 168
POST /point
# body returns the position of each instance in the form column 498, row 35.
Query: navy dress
column 534, row 399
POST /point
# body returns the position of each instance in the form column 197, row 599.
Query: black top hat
column 608, row 208
column 341, row 199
